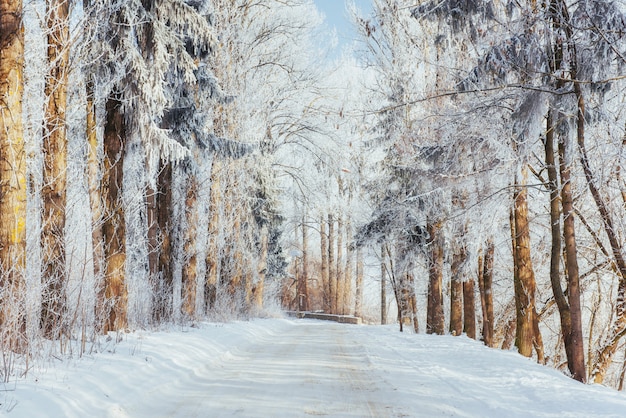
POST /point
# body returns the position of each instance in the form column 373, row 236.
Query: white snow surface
column 300, row 368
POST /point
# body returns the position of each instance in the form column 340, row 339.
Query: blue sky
column 337, row 16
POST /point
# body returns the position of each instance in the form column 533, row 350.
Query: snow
column 288, row 368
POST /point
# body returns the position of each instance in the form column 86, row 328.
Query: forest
column 458, row 171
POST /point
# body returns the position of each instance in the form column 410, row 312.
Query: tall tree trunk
column 189, row 273
column 572, row 337
column 114, row 228
column 303, row 289
column 12, row 177
column 332, row 277
column 456, row 292
column 383, row 286
column 524, row 276
column 358, row 297
column 404, row 307
column 469, row 308
column 340, row 266
column 53, row 298
column 160, row 260
column 569, row 307
column 412, row 300
column 347, row 276
column 261, row 270
column 95, row 204
column 324, row 267
column 434, row 315
column 213, row 253
column 485, row 280
column 153, row 246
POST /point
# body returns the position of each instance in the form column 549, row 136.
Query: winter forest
column 459, row 171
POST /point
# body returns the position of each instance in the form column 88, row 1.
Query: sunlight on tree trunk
column 189, row 274
column 435, row 317
column 53, row 298
column 485, row 280
column 524, row 276
column 469, row 308
column 114, row 228
column 456, row 293
column 12, row 178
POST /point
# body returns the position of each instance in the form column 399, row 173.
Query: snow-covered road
column 313, row 369
column 303, row 368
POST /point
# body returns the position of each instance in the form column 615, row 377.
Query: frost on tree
column 12, row 177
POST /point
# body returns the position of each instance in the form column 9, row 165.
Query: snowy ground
column 291, row 368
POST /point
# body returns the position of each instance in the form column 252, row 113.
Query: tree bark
column 412, row 301
column 348, row 272
column 114, row 228
column 213, row 253
column 189, row 273
column 456, row 293
column 303, row 289
column 53, row 298
column 358, row 297
column 339, row 269
column 261, row 270
column 332, row 277
column 485, row 280
column 12, row 178
column 434, row 315
column 95, row 203
column 469, row 309
column 383, row 286
column 324, row 267
column 524, row 276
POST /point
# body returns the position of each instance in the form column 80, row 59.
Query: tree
column 12, row 176
column 54, row 170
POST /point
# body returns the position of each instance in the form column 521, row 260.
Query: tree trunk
column 347, row 276
column 189, row 273
column 261, row 271
column 213, row 253
column 358, row 297
column 618, row 329
column 12, row 178
column 53, row 298
column 571, row 322
column 303, row 289
column 332, row 277
column 485, row 280
column 324, row 267
column 434, row 315
column 383, row 286
column 160, row 260
column 114, row 228
column 95, row 203
column 456, row 293
column 153, row 244
column 524, row 276
column 339, row 269
column 412, row 300
column 469, row 309
column 569, row 307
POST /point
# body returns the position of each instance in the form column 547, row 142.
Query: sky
column 336, row 17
